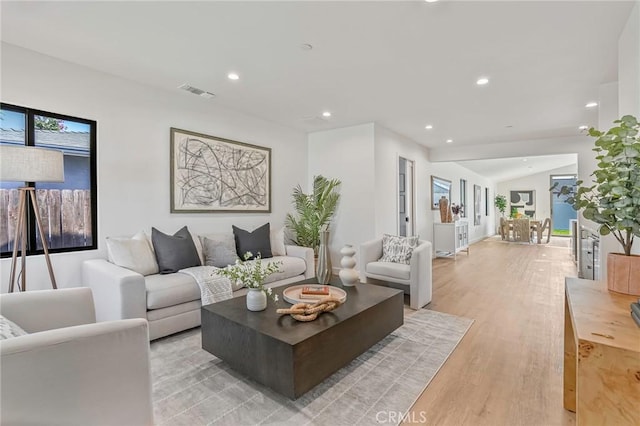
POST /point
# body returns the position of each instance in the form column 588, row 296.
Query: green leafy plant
column 251, row 273
column 313, row 211
column 501, row 203
column 613, row 201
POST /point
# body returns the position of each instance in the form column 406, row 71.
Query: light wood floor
column 507, row 370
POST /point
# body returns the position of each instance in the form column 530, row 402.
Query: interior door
column 405, row 197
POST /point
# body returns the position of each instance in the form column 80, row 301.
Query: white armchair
column 70, row 370
column 414, row 279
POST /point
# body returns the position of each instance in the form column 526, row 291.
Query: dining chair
column 541, row 227
column 522, row 230
column 505, row 229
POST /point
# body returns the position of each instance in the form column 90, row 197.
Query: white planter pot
column 256, row 300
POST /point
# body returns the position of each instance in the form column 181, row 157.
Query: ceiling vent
column 196, row 91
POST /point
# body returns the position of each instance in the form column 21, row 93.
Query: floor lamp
column 29, row 164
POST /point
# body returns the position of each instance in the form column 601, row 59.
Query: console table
column 450, row 238
column 601, row 355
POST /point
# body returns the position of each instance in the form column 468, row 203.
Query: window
column 67, row 209
column 463, row 197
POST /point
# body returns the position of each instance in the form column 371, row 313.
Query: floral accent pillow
column 398, row 249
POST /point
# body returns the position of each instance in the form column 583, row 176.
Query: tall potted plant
column 501, row 203
column 613, row 201
column 313, row 211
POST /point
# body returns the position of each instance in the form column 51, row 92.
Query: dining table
column 535, row 225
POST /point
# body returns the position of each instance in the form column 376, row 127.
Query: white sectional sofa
column 171, row 302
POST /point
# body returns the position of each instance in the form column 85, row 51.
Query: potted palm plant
column 613, row 201
column 501, row 203
column 313, row 211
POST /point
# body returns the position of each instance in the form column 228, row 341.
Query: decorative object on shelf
column 501, row 203
column 348, row 274
column 309, row 311
column 252, row 274
column 323, row 271
column 212, row 174
column 314, row 211
column 613, row 199
column 29, row 164
column 457, row 211
column 445, row 213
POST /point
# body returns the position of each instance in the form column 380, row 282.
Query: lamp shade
column 31, row 164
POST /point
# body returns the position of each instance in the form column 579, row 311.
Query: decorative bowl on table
column 293, row 294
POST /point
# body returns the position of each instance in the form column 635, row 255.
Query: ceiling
column 401, row 64
column 505, row 169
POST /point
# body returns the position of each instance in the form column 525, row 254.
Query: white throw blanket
column 213, row 287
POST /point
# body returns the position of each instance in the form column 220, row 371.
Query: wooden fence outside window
column 66, row 217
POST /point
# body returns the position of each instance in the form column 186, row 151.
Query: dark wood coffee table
column 292, row 357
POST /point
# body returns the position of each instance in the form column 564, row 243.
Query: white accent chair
column 414, row 279
column 70, row 370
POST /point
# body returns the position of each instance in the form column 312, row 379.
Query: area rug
column 192, row 387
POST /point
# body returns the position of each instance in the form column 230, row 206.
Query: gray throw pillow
column 174, row 252
column 257, row 242
column 219, row 251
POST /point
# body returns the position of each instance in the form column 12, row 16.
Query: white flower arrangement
column 252, row 273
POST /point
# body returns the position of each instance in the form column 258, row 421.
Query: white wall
column 454, row 172
column 540, row 182
column 347, row 154
column 365, row 159
column 389, row 147
column 629, row 65
column 133, row 150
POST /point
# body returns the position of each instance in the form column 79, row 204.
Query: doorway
column 561, row 212
column 405, row 197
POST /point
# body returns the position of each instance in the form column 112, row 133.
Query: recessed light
column 233, row 76
column 591, row 105
column 524, row 159
column 482, row 81
column 326, row 114
column 583, row 127
column 428, row 127
column 449, row 141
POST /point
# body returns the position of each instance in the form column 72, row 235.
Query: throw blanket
column 213, row 287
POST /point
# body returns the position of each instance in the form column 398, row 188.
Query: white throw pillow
column 398, row 249
column 133, row 253
column 9, row 329
column 277, row 242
